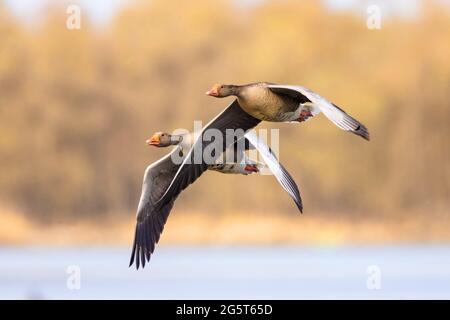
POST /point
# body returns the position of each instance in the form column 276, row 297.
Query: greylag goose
column 151, row 216
column 286, row 103
column 240, row 164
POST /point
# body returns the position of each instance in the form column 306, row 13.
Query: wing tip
column 138, row 252
column 362, row 131
column 133, row 252
column 147, row 234
column 131, row 260
column 300, row 207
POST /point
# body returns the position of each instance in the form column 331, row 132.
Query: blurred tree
column 77, row 106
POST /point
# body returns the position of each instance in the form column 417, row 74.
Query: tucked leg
column 250, row 168
column 304, row 115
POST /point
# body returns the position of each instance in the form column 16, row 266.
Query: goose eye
column 221, row 87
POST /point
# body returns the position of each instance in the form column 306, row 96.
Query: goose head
column 163, row 139
column 222, row 90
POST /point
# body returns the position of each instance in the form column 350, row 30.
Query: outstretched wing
column 150, row 217
column 335, row 114
column 280, row 173
column 193, row 166
column 164, row 181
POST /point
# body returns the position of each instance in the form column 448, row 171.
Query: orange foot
column 304, row 115
column 251, row 168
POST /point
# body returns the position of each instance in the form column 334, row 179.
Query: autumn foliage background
column 76, row 107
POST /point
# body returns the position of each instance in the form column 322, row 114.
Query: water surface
column 277, row 272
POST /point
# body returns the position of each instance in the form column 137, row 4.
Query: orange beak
column 153, row 141
column 213, row 92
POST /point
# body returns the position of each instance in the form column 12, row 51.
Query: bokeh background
column 76, row 107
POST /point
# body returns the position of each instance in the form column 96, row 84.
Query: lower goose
column 241, row 163
column 151, row 216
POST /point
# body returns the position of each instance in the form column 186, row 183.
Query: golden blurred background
column 76, row 107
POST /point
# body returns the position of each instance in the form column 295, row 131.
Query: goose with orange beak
column 151, row 217
column 285, row 103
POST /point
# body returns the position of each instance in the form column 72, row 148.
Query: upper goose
column 281, row 103
column 151, row 217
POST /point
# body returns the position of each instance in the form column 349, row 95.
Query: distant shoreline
column 185, row 228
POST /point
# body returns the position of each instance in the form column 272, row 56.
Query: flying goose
column 151, row 216
column 286, row 103
column 240, row 164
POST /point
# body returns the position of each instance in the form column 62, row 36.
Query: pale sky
column 101, row 11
